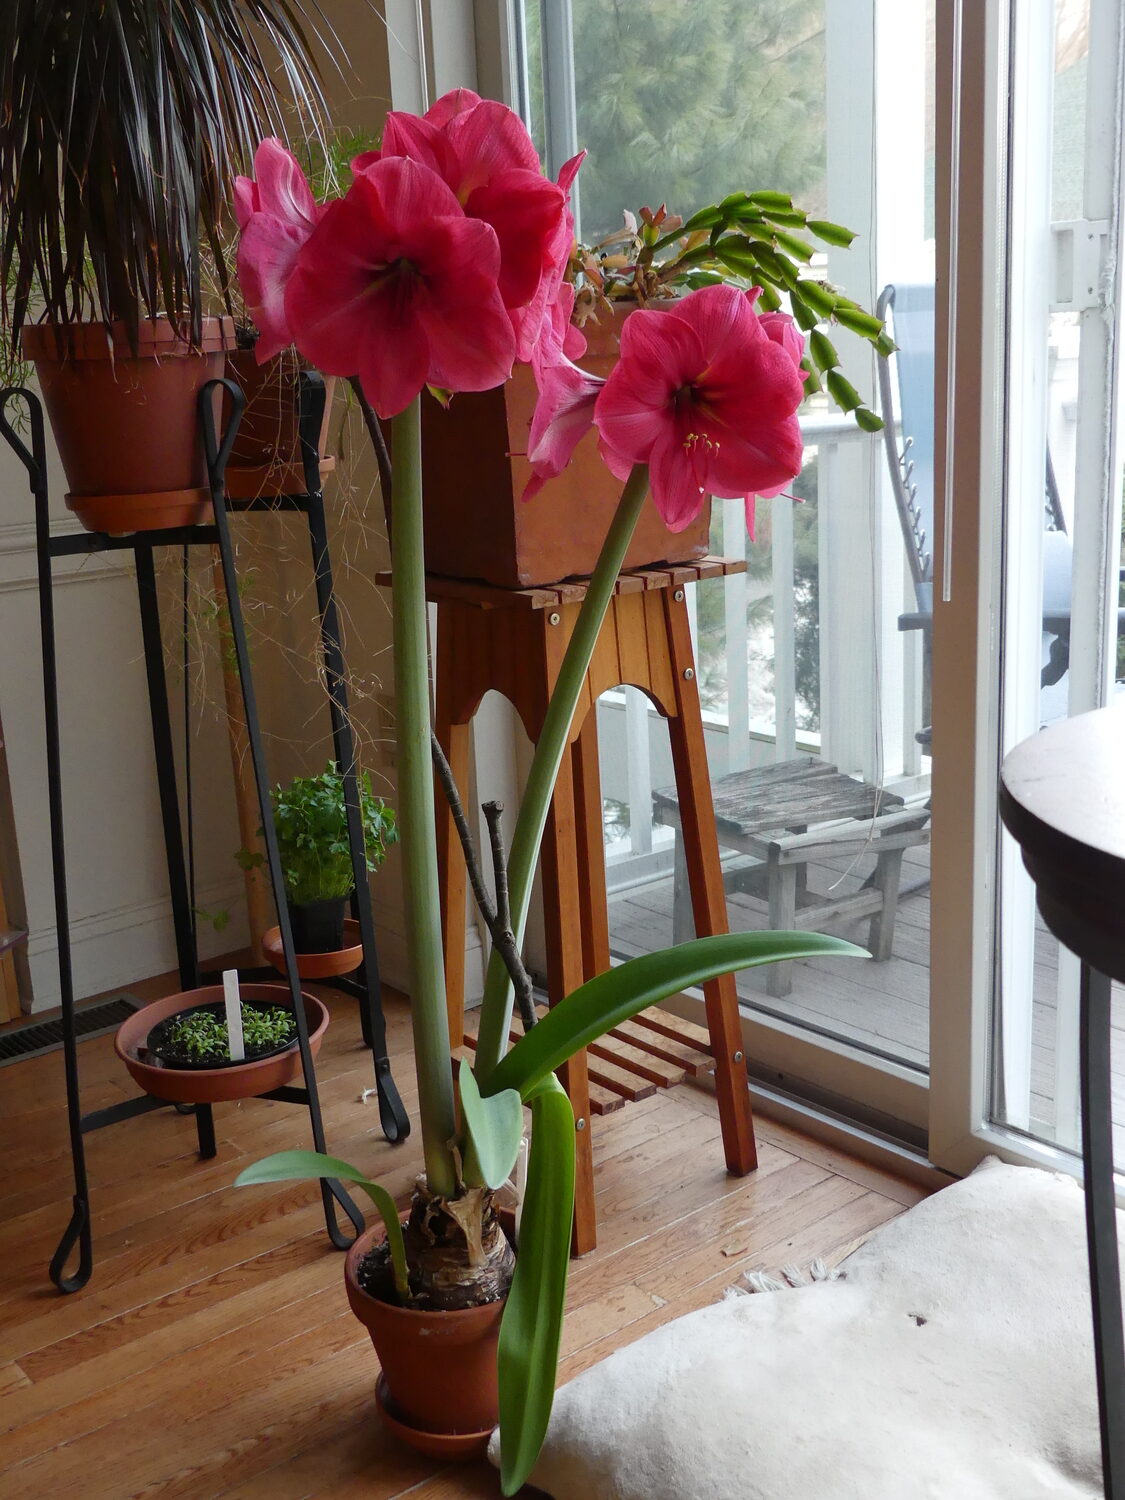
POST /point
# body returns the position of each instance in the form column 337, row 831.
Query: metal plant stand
column 32, row 454
column 1063, row 800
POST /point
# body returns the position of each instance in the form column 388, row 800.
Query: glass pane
column 813, row 664
column 1062, row 509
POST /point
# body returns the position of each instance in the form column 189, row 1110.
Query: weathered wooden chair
column 783, row 817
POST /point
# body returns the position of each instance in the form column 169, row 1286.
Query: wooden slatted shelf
column 654, row 1050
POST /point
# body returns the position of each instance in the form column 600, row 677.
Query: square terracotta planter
column 474, row 471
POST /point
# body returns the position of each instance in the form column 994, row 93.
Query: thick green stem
column 496, row 1008
column 416, row 806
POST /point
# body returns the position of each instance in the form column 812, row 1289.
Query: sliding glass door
column 1037, row 479
column 933, row 595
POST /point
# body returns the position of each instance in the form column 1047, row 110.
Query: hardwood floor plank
column 212, row 1354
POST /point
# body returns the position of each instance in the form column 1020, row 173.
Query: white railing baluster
column 736, row 638
column 638, row 770
column 784, row 632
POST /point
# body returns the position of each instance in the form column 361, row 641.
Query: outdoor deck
column 882, row 1008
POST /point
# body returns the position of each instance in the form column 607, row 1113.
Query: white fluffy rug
column 952, row 1361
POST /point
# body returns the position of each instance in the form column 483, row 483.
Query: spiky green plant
column 122, row 126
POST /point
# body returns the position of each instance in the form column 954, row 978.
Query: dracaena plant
column 444, row 263
column 121, row 126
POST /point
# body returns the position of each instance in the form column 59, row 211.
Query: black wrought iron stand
column 1062, row 797
column 32, row 454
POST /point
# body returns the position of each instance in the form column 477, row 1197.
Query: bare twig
column 525, row 996
column 500, row 931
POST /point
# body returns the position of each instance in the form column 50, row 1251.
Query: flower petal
column 267, row 254
column 283, row 189
column 563, row 415
column 525, row 210
column 455, row 102
column 486, row 139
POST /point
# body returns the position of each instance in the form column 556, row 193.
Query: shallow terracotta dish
column 445, row 1446
column 214, row 1085
column 318, row 965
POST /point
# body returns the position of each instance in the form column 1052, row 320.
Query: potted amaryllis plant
column 442, row 265
column 122, row 127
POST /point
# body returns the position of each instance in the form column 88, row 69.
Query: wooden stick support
column 233, row 1001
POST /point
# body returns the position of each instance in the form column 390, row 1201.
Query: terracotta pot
column 127, row 426
column 266, row 457
column 475, row 469
column 318, row 965
column 439, row 1385
column 214, row 1085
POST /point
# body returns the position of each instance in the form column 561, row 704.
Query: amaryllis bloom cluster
column 441, row 265
column 705, row 393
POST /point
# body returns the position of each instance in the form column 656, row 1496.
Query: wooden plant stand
column 512, row 641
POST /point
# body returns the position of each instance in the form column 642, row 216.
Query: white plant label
column 234, row 1015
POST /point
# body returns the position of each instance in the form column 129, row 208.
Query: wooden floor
column 884, row 1008
column 213, row 1354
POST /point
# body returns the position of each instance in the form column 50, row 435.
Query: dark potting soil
column 376, row 1277
column 159, row 1050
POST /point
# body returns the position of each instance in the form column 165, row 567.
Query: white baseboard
column 117, row 948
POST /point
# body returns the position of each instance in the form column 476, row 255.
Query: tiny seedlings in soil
column 204, row 1034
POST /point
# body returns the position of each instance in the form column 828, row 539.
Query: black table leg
column 1101, row 1224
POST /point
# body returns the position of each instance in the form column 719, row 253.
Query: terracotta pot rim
column 318, row 965
column 156, row 337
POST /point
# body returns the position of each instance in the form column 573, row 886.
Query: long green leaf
column 308, row 1166
column 529, row 1334
column 607, row 1000
column 495, row 1129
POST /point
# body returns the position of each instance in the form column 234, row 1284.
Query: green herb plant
column 311, row 820
column 204, row 1034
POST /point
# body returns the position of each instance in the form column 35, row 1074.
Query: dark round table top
column 1062, row 797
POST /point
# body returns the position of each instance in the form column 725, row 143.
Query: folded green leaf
column 868, row 420
column 842, row 391
column 528, row 1355
column 820, row 299
column 608, row 999
column 831, row 234
column 799, row 249
column 494, row 1127
column 863, row 323
column 823, row 351
column 308, row 1166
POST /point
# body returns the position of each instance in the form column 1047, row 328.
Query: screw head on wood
column 554, row 617
column 678, row 595
column 738, row 1057
column 580, row 1123
column 689, row 673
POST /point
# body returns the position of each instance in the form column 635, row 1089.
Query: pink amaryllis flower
column 276, row 214
column 397, row 286
column 484, row 154
column 705, row 393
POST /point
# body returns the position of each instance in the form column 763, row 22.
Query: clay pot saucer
column 214, row 1085
column 318, row 965
column 444, row 1446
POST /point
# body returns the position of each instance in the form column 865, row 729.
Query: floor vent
column 47, row 1036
